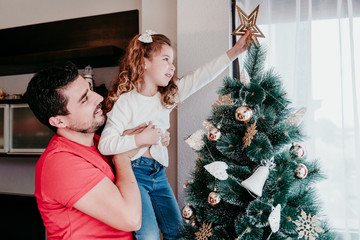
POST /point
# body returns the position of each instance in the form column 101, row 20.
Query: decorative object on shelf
column 13, row 96
column 248, row 22
column 88, row 76
column 308, row 226
column 2, row 94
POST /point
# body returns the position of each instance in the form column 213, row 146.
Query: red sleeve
column 69, row 177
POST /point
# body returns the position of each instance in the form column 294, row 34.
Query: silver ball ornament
column 214, row 198
column 214, row 134
column 301, row 171
column 188, row 212
column 297, row 151
column 243, row 114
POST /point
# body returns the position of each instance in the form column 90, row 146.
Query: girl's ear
column 147, row 62
column 57, row 121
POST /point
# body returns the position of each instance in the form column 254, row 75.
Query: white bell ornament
column 256, row 181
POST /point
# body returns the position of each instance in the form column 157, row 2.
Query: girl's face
column 159, row 69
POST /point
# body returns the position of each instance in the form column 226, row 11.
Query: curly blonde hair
column 131, row 72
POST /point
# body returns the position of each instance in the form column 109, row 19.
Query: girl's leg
column 166, row 207
column 149, row 230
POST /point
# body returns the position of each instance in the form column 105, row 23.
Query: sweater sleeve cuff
column 226, row 59
column 130, row 139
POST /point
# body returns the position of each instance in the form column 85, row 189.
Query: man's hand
column 165, row 138
column 135, row 130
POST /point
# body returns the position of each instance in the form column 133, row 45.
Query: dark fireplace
column 20, row 218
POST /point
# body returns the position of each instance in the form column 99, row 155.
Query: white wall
column 14, row 13
column 203, row 34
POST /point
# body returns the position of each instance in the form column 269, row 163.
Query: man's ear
column 57, row 121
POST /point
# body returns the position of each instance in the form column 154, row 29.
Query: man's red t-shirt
column 65, row 172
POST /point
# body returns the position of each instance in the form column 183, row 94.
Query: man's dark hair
column 43, row 92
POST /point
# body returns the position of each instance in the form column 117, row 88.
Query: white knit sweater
column 133, row 109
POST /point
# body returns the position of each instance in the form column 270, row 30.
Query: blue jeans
column 159, row 206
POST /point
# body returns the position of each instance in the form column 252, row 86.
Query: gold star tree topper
column 248, row 23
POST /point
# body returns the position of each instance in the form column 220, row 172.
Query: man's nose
column 97, row 98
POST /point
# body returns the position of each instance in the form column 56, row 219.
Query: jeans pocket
column 143, row 161
column 135, row 163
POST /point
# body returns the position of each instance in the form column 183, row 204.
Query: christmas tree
column 252, row 178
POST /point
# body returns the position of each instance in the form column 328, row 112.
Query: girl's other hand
column 165, row 139
column 239, row 47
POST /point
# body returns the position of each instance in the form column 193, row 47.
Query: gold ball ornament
column 301, row 171
column 214, row 134
column 188, row 212
column 214, row 198
column 243, row 114
column 297, row 151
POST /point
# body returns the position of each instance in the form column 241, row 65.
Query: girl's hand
column 239, row 47
column 165, row 139
column 149, row 136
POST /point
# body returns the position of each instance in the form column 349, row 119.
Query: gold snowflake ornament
column 223, row 100
column 308, row 226
column 204, row 232
column 249, row 135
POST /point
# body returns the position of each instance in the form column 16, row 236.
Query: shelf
column 99, row 41
column 104, row 56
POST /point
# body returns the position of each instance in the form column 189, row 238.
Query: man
column 77, row 193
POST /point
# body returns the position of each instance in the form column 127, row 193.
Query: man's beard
column 92, row 129
column 93, row 126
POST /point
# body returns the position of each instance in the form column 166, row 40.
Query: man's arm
column 119, row 204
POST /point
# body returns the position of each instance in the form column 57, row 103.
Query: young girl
column 146, row 91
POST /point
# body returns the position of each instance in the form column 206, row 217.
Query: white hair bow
column 146, row 36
